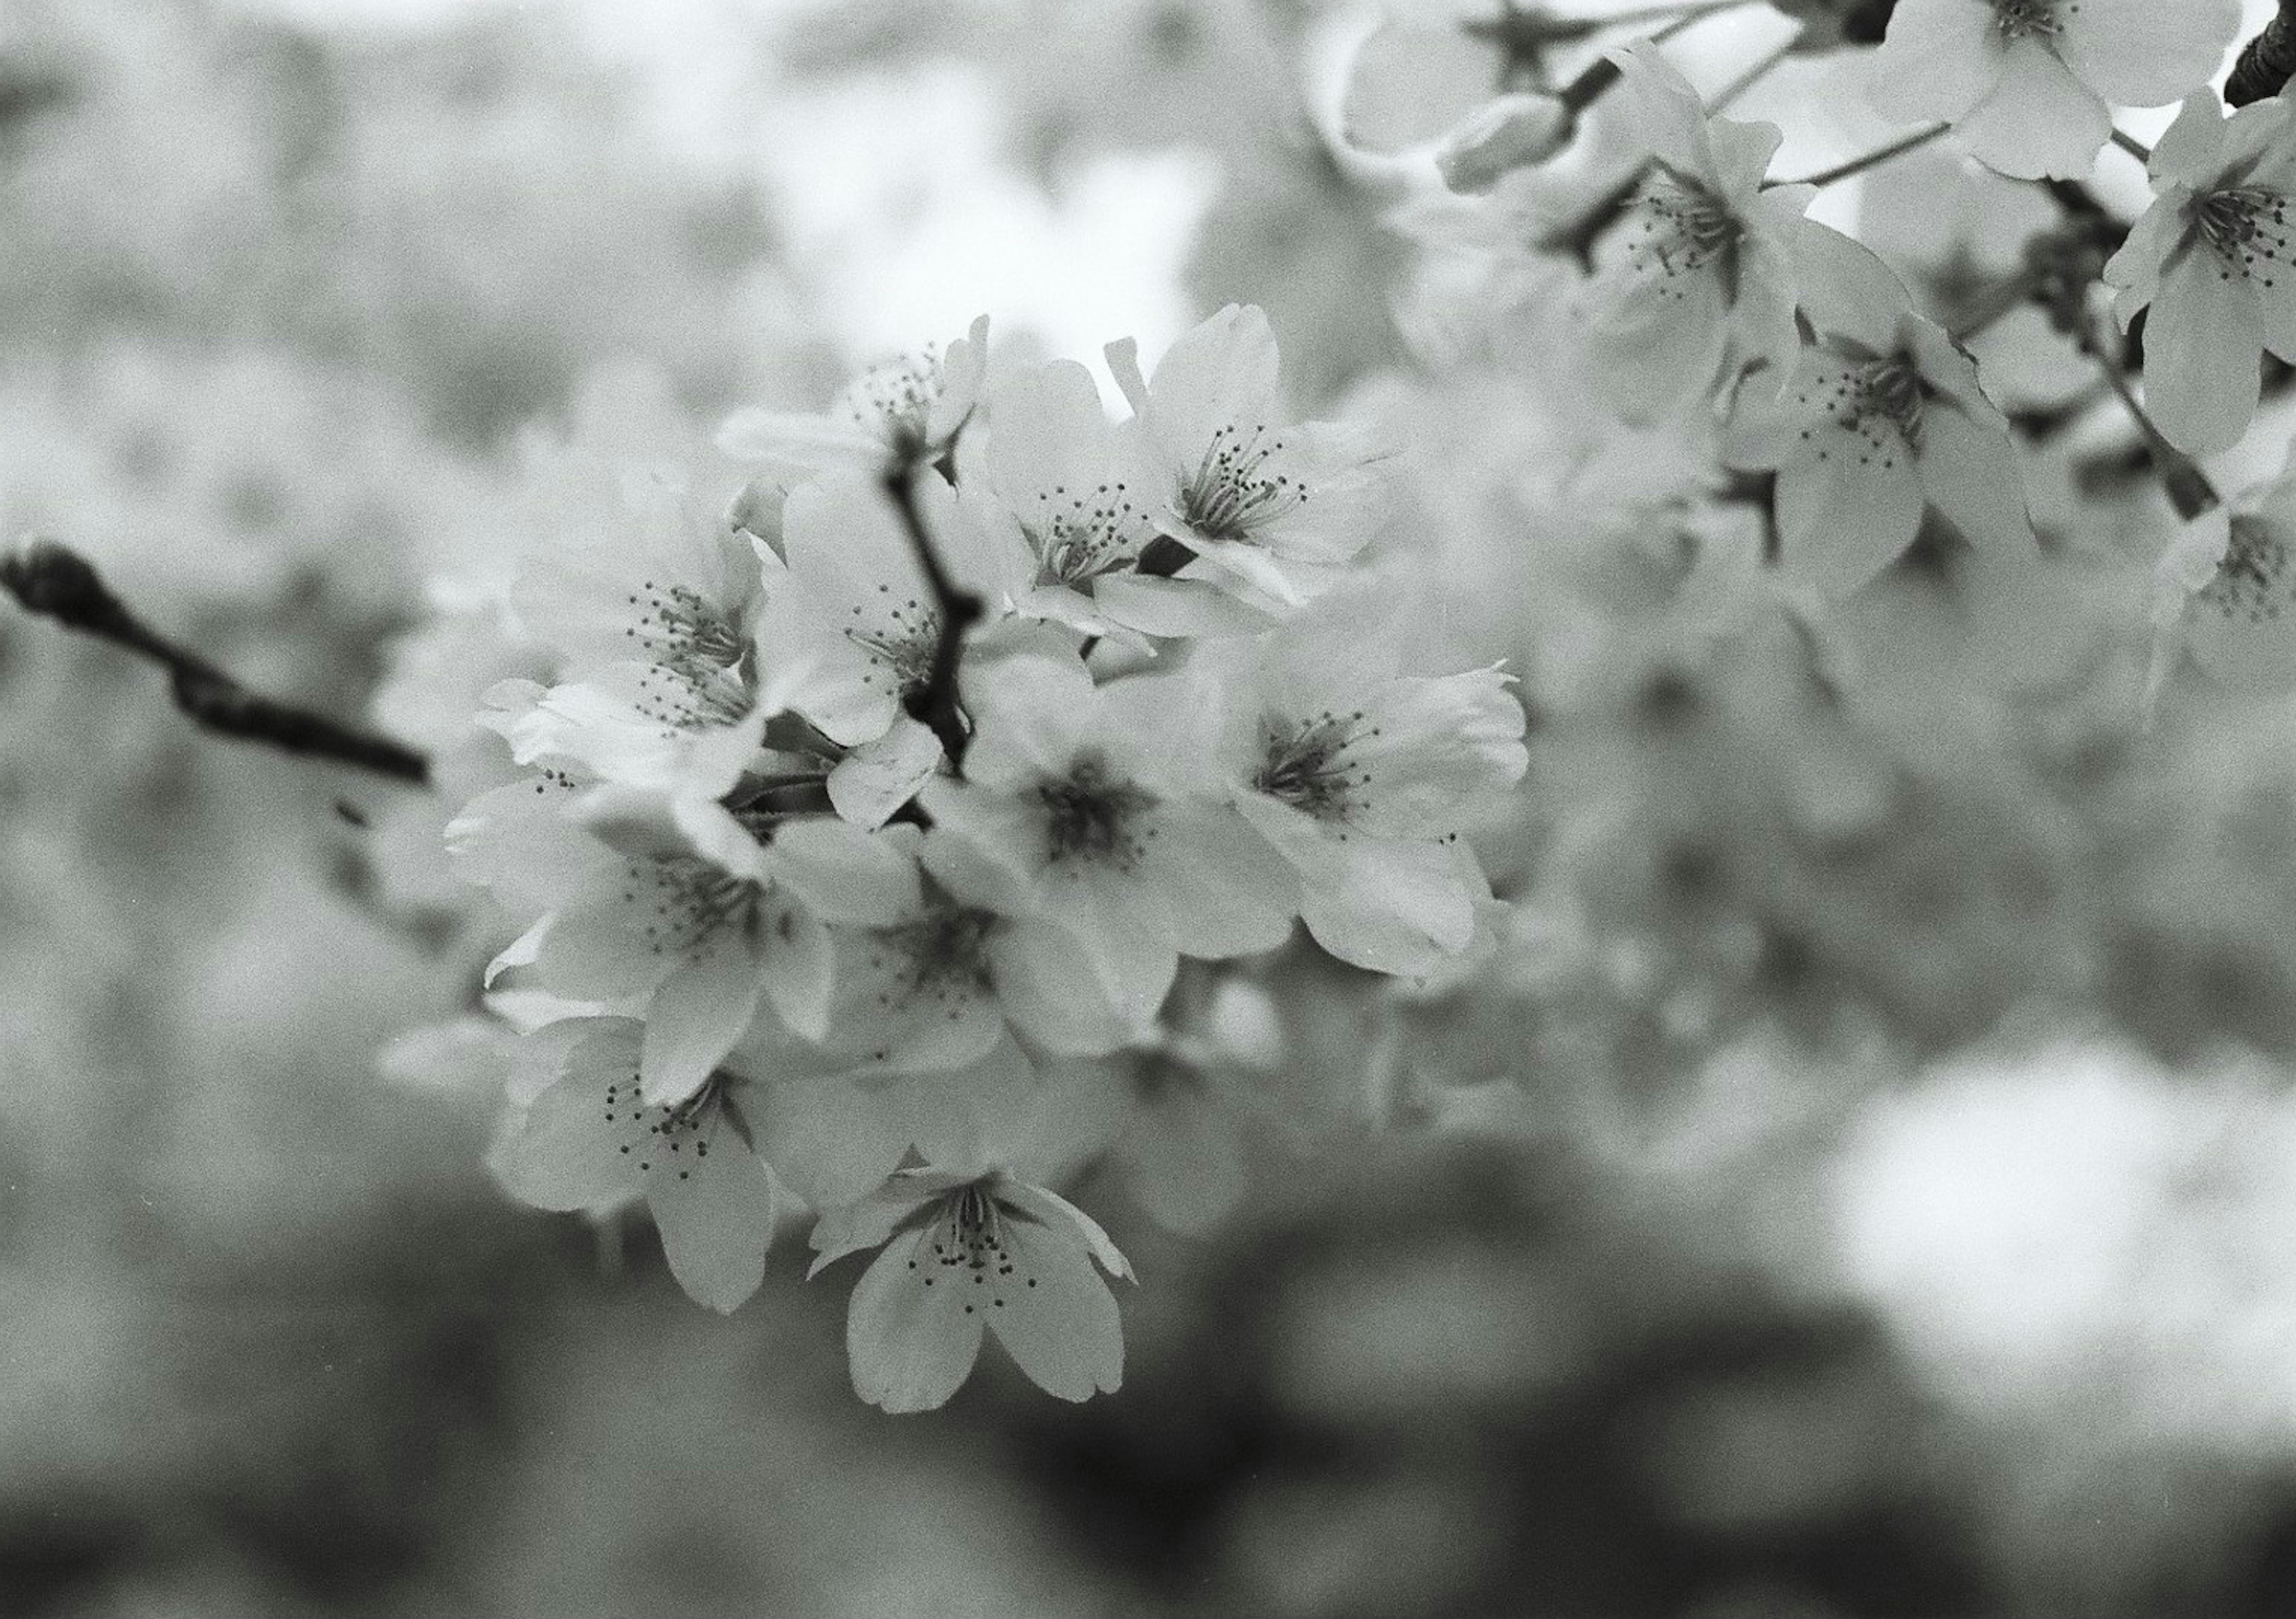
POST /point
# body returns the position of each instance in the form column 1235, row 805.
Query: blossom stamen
column 2247, row 585
column 902, row 644
column 2018, row 19
column 1095, row 533
column 674, row 1138
column 1092, row 818
column 2246, row 227
column 1680, row 229
column 966, row 1242
column 1307, row 766
column 942, row 958
column 696, row 653
column 1231, row 492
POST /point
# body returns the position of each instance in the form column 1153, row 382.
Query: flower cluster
column 862, row 830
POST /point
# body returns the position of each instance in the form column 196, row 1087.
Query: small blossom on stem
column 2214, row 259
column 591, row 1142
column 1701, row 271
column 2028, row 84
column 1270, row 510
column 906, row 412
column 2225, row 592
column 1882, row 419
column 965, row 1256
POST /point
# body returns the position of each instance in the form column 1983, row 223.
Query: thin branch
column 1842, row 171
column 2133, row 147
column 935, row 703
column 57, row 582
column 2266, row 62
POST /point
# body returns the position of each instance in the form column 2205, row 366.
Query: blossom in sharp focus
column 689, row 903
column 1881, row 418
column 935, row 988
column 2212, row 260
column 964, row 1255
column 906, row 412
column 1363, row 780
column 1270, row 510
column 2028, row 84
column 850, row 628
column 590, row 1142
column 1701, row 270
column 1097, row 806
column 1061, row 523
column 2225, row 591
column 628, row 576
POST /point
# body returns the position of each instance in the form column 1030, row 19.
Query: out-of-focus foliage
column 1865, row 1187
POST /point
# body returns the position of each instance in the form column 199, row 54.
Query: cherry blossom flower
column 1881, row 418
column 1097, row 804
column 2212, row 258
column 1363, row 780
column 591, row 1142
column 850, row 627
column 1271, row 510
column 1702, row 270
column 936, row 987
column 2225, row 592
column 2028, row 84
column 964, row 1255
column 630, row 584
column 908, row 411
column 676, row 903
column 1062, row 535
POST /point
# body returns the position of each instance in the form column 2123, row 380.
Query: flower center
column 1231, row 492
column 895, row 400
column 1890, row 390
column 2247, row 581
column 2247, row 228
column 696, row 652
column 1306, row 765
column 1680, row 229
column 1092, row 535
column 2026, row 19
column 944, row 957
column 675, row 1138
column 899, row 639
column 687, row 901
column 1090, row 816
column 965, row 1246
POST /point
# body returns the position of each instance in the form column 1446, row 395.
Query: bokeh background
column 1870, row 1188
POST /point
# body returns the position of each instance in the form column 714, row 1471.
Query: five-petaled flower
column 906, row 412
column 2225, row 591
column 1271, row 510
column 2214, row 259
column 1701, row 272
column 590, row 1142
column 1362, row 778
column 965, row 1255
column 1098, row 807
column 2028, row 84
column 1881, row 418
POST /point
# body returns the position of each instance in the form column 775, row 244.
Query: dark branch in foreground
column 935, row 703
column 57, row 582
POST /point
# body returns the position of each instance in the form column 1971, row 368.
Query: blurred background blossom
column 1863, row 1182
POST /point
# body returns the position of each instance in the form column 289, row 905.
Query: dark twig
column 2266, row 62
column 935, row 703
column 57, row 582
